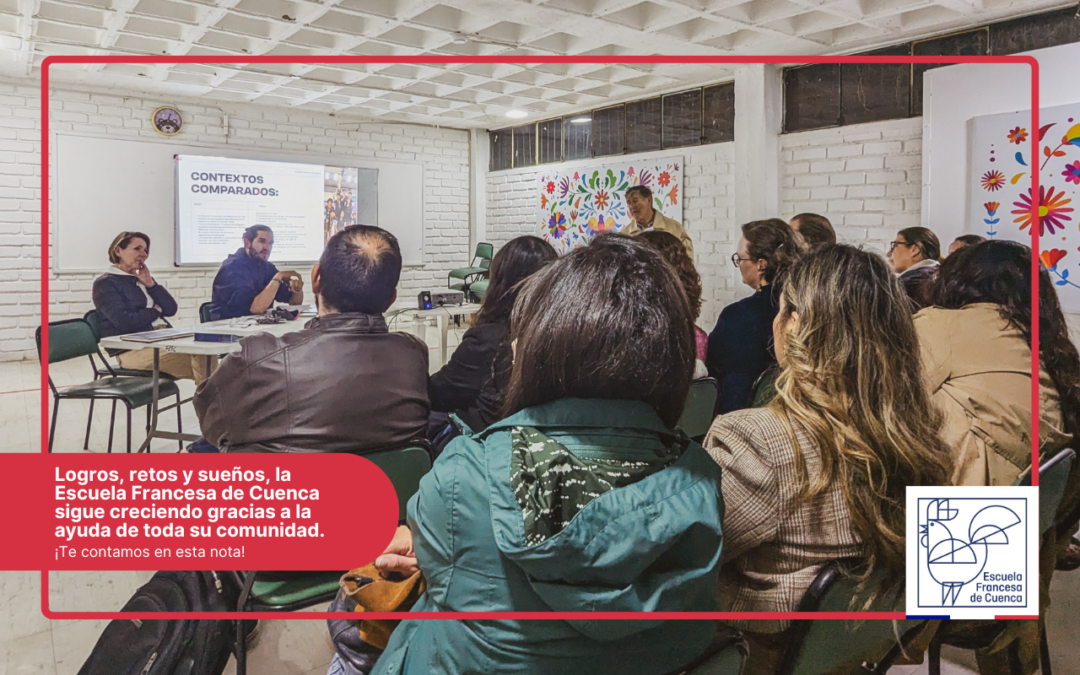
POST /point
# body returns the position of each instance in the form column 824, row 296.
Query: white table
column 247, row 326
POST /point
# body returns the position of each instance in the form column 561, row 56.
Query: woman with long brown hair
column 820, row 474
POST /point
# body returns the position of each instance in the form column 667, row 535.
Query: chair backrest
column 204, row 312
column 485, row 263
column 68, row 339
column 700, row 410
column 1053, row 477
column 93, row 317
column 405, row 467
column 820, row 646
column 484, row 251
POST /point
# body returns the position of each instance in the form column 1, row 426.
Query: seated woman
column 914, row 255
column 740, row 346
column 976, row 349
column 473, row 383
column 820, row 473
column 582, row 498
column 130, row 301
column 675, row 254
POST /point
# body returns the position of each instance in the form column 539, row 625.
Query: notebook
column 158, row 335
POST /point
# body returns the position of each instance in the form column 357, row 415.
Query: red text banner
column 193, row 511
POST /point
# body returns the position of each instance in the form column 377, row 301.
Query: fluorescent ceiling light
column 584, row 119
column 517, row 114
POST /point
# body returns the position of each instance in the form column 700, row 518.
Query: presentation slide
column 217, row 198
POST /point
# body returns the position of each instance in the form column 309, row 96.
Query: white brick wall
column 865, row 178
column 708, row 213
column 444, row 152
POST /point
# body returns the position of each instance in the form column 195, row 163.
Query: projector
column 432, row 299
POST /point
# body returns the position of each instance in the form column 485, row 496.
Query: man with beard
column 248, row 283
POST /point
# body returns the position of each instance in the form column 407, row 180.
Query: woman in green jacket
column 582, row 499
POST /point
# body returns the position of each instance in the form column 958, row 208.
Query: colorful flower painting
column 993, row 180
column 577, row 204
column 1015, row 213
column 1052, row 210
column 1018, row 135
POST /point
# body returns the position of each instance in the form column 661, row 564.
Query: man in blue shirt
column 248, row 283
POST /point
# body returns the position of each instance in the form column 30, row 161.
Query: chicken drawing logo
column 954, row 562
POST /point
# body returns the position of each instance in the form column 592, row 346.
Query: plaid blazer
column 774, row 545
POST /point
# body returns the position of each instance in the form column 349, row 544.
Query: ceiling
column 456, row 95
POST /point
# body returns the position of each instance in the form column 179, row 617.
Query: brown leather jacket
column 342, row 384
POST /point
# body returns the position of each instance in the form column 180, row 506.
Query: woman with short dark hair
column 740, row 346
column 914, row 256
column 473, row 383
column 582, row 498
column 129, row 300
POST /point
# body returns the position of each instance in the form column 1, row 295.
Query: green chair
column 819, row 646
column 700, row 410
column 205, row 315
column 93, row 317
column 483, row 253
column 478, row 289
column 725, row 656
column 292, row 591
column 1053, row 477
column 74, row 338
column 765, row 387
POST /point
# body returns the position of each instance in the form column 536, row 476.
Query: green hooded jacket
column 576, row 505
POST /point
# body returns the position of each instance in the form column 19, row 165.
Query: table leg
column 444, row 330
column 145, row 447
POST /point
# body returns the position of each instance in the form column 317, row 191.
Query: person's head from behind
column 516, row 261
column 852, row 377
column 965, row 240
column 912, row 245
column 358, row 271
column 258, row 241
column 639, row 202
column 129, row 250
column 675, row 254
column 766, row 250
column 607, row 321
column 999, row 272
column 815, row 229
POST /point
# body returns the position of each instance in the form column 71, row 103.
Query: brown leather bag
column 372, row 593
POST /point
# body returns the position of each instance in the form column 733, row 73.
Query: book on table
column 158, row 335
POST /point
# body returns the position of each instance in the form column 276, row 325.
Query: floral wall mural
column 576, row 204
column 1000, row 199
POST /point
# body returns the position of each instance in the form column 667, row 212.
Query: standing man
column 248, row 283
column 639, row 201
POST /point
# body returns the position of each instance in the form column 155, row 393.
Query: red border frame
column 794, row 60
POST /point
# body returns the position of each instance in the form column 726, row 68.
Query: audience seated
column 976, row 351
column 740, row 346
column 473, row 383
column 343, row 383
column 129, row 300
column 675, row 254
column 820, row 473
column 814, row 229
column 248, row 283
column 965, row 240
column 582, row 498
column 914, row 255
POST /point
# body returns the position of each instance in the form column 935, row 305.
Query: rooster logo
column 954, row 562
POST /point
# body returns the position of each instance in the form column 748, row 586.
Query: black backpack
column 172, row 646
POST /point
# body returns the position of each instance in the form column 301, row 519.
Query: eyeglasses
column 893, row 245
column 735, row 259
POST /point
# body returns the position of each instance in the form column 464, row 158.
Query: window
column 971, row 43
column 811, row 97
column 577, row 129
column 643, row 120
column 549, row 134
column 718, row 123
column 502, row 153
column 525, row 145
column 1035, row 32
column 870, row 92
column 682, row 119
column 608, row 131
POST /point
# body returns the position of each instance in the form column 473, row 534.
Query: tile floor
column 33, row 645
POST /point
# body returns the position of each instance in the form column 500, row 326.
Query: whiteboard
column 107, row 185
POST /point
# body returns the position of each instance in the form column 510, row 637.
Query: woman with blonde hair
column 820, row 474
